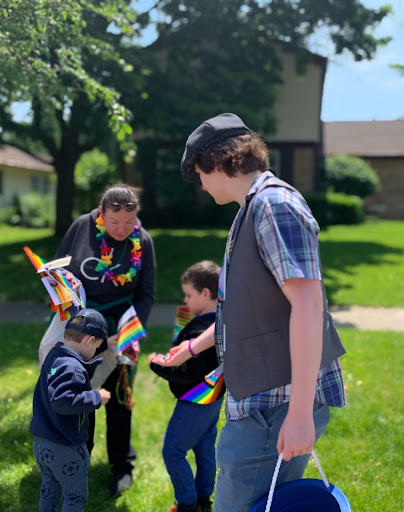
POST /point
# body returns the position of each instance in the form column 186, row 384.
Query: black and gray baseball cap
column 95, row 324
column 208, row 133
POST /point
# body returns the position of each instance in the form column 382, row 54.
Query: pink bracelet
column 190, row 348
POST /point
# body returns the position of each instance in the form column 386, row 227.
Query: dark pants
column 64, row 471
column 120, row 452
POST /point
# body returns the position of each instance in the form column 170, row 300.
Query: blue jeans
column 192, row 427
column 247, row 455
column 64, row 471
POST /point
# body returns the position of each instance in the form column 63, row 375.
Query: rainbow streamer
column 130, row 331
column 206, row 392
column 34, row 258
column 183, row 317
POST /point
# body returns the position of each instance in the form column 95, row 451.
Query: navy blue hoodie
column 63, row 397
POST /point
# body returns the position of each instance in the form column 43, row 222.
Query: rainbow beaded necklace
column 103, row 267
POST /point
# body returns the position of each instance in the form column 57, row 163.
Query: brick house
column 381, row 144
column 296, row 149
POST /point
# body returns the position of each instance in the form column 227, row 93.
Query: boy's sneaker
column 179, row 508
column 205, row 505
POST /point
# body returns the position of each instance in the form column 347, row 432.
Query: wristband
column 190, row 348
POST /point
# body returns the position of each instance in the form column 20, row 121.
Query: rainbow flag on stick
column 206, row 392
column 130, row 332
column 183, row 317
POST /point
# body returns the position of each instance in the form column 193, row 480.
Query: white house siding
column 17, row 182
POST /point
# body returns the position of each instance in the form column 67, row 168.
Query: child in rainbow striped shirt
column 193, row 426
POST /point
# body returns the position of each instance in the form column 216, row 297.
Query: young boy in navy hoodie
column 193, row 426
column 63, row 398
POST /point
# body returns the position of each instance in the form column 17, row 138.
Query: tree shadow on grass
column 345, row 256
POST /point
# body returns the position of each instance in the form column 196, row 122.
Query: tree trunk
column 65, row 162
column 64, row 195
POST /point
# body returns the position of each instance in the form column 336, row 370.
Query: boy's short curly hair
column 204, row 274
column 243, row 154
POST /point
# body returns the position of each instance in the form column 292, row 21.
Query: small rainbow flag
column 130, row 331
column 206, row 392
column 183, row 317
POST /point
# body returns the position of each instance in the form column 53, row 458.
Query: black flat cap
column 210, row 132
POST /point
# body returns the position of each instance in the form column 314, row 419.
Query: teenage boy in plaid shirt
column 273, row 332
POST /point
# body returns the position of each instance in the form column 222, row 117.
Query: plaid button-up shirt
column 286, row 234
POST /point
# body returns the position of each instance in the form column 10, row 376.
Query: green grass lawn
column 361, row 452
column 362, row 264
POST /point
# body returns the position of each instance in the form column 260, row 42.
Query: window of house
column 40, row 184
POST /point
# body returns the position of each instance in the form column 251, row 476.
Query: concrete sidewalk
column 164, row 314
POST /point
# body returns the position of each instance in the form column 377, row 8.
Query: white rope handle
column 276, row 473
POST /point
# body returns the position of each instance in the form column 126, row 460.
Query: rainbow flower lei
column 107, row 252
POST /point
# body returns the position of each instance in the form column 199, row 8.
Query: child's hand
column 160, row 358
column 150, row 358
column 105, row 396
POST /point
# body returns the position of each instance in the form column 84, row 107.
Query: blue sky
column 368, row 90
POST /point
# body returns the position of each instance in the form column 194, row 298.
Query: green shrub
column 36, row 210
column 333, row 208
column 350, row 175
column 93, row 173
column 8, row 215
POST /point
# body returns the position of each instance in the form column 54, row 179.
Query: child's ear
column 90, row 339
column 206, row 293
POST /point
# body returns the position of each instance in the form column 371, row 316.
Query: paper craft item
column 64, row 299
column 183, row 317
column 130, row 332
column 206, row 392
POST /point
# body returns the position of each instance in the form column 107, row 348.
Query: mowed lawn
column 362, row 265
column 361, row 452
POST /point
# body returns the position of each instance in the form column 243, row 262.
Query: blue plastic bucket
column 304, row 495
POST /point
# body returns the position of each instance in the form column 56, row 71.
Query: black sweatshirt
column 80, row 242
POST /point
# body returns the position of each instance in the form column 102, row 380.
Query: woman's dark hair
column 244, row 154
column 120, row 194
column 204, row 274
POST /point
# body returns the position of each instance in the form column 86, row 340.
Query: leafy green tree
column 93, row 173
column 73, row 60
column 63, row 57
column 223, row 56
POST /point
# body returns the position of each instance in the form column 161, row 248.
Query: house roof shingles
column 11, row 156
column 364, row 138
